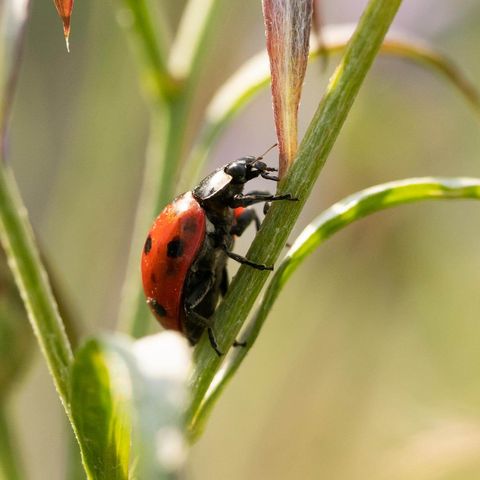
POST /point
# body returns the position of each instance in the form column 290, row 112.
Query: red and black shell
column 172, row 245
column 182, row 265
column 184, row 257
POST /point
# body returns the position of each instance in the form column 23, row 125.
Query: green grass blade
column 313, row 152
column 17, row 240
column 333, row 219
column 151, row 45
column 16, row 233
column 254, row 75
column 100, row 400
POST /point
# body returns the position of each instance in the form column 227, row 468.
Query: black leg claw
column 245, row 261
column 213, row 341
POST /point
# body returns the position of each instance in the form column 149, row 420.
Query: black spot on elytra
column 175, row 248
column 157, row 308
column 148, row 245
column 153, row 278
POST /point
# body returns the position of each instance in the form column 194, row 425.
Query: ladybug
column 186, row 251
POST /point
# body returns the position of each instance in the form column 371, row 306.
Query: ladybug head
column 247, row 168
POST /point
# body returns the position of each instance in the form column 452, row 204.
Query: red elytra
column 172, row 244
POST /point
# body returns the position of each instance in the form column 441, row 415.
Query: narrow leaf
column 148, row 29
column 335, row 218
column 100, row 401
column 287, row 28
column 16, row 234
column 64, row 9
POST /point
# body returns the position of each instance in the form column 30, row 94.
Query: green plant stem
column 312, row 154
column 333, row 219
column 9, row 459
column 152, row 48
column 17, row 239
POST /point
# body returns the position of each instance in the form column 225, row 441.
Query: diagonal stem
column 313, row 152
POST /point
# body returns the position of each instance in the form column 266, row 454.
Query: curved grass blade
column 23, row 258
column 15, row 231
column 335, row 218
column 254, row 76
column 151, row 41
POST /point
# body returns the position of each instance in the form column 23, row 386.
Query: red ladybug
column 184, row 257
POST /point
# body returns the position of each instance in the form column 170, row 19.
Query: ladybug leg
column 213, row 341
column 266, row 176
column 198, row 293
column 192, row 301
column 224, row 283
column 246, row 261
column 205, row 322
column 248, row 216
column 247, row 199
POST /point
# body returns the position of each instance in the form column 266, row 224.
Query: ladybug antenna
column 263, row 169
column 268, row 150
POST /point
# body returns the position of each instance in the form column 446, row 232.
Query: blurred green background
column 368, row 367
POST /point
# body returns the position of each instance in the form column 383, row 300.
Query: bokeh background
column 369, row 365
